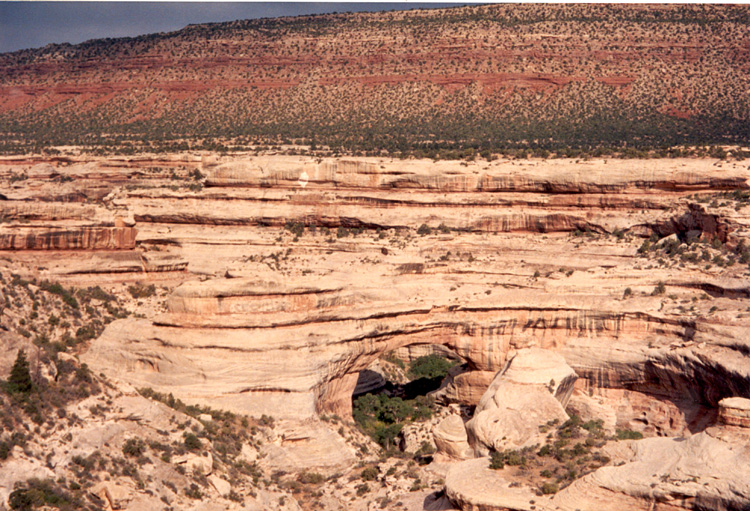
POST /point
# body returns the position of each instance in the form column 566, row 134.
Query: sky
column 35, row 24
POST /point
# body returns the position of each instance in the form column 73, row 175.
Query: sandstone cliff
column 274, row 290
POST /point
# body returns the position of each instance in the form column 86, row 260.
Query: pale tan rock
column 221, row 486
column 338, row 318
column 410, row 353
column 371, row 379
column 685, row 472
column 516, row 423
column 268, row 500
column 450, row 438
column 114, row 494
column 464, row 387
column 67, row 357
column 735, row 411
column 196, row 463
column 417, row 437
column 19, row 468
column 307, row 445
column 303, row 319
column 524, row 396
column 248, row 454
column 536, row 366
column 472, row 486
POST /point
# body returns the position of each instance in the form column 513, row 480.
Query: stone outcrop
column 735, row 411
column 254, row 314
column 85, row 238
column 473, row 486
column 114, row 495
column 261, row 305
column 704, row 471
column 309, row 445
column 530, row 392
column 450, row 438
column 707, row 470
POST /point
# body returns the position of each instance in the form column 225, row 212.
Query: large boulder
column 535, row 367
column 113, row 494
column 529, row 392
column 735, row 411
column 450, row 438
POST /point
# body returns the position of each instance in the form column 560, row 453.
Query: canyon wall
column 310, row 270
column 265, row 285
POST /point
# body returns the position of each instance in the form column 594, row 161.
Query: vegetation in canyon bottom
column 382, row 416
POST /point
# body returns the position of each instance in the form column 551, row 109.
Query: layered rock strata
column 282, row 287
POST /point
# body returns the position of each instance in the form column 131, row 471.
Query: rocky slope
column 277, row 280
column 484, row 77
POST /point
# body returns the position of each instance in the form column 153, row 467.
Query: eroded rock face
column 530, row 392
column 255, row 315
column 299, row 320
column 473, row 486
column 698, row 472
column 451, row 439
column 735, row 411
column 704, row 471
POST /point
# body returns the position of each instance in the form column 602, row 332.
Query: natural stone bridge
column 294, row 350
column 283, row 325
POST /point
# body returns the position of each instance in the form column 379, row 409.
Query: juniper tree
column 20, row 377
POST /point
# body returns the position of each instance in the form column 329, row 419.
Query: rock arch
column 295, row 351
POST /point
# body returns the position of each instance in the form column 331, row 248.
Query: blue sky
column 35, row 24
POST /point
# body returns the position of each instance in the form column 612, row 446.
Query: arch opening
column 397, row 397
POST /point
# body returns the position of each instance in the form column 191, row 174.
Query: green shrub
column 594, row 426
column 362, row 489
column 549, row 488
column 56, row 289
column 296, row 228
column 369, row 474
column 569, row 428
column 627, row 434
column 5, row 448
column 310, row 478
column 660, row 289
column 430, row 366
column 194, row 492
column 42, row 493
column 393, row 359
column 342, row 232
column 142, row 291
column 133, row 447
column 87, row 332
column 192, row 442
column 499, row 459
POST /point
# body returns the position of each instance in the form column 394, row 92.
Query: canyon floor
column 197, row 325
